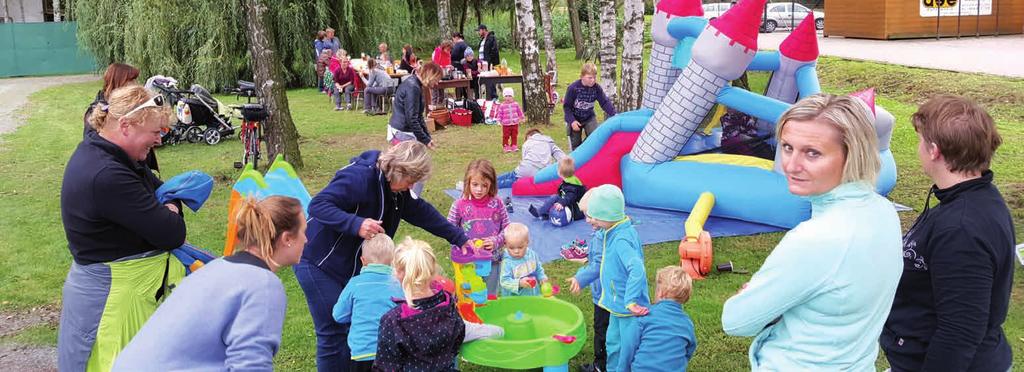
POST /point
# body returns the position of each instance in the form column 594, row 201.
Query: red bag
column 462, row 117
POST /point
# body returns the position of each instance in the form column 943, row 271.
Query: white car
column 778, row 15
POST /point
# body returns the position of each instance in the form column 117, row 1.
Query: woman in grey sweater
column 378, row 83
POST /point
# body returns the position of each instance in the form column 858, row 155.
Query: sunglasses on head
column 156, row 101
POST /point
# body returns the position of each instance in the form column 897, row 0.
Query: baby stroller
column 200, row 117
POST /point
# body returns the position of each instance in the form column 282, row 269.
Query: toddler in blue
column 622, row 275
column 521, row 270
column 665, row 340
column 366, row 298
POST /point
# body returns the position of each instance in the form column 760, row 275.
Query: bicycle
column 251, row 129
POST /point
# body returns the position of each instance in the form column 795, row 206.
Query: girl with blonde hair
column 425, row 331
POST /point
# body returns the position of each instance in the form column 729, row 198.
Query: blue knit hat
column 606, row 203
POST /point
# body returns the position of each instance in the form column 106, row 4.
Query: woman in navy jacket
column 369, row 196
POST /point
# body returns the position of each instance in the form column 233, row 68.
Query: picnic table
column 503, row 79
column 452, row 84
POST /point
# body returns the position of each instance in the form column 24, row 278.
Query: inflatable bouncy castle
column 651, row 153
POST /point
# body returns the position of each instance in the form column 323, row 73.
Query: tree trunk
column 574, row 25
column 516, row 41
column 632, row 54
column 479, row 14
column 595, row 40
column 549, row 43
column 608, row 55
column 462, row 19
column 444, row 19
column 279, row 132
column 534, row 97
column 56, row 11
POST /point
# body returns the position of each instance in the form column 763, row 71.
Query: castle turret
column 721, row 53
column 660, row 72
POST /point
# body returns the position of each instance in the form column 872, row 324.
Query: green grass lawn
column 35, row 256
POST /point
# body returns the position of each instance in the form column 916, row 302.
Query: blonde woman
column 227, row 315
column 117, row 231
column 823, row 294
column 406, row 121
column 425, row 331
column 369, row 196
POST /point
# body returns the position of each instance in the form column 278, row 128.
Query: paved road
column 1001, row 55
column 14, row 94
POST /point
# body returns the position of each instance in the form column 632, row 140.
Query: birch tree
column 279, row 132
column 56, row 11
column 444, row 18
column 632, row 54
column 549, row 43
column 608, row 53
column 534, row 99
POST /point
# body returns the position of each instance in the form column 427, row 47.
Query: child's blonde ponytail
column 416, row 260
column 260, row 223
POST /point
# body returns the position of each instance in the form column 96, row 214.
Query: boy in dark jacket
column 580, row 97
column 958, row 261
column 563, row 208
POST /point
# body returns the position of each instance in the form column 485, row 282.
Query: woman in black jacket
column 958, row 261
column 118, row 233
column 116, row 76
column 406, row 121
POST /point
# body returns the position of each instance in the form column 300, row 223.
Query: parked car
column 778, row 15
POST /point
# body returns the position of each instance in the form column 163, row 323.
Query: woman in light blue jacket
column 820, row 299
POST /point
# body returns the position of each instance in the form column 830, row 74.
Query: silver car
column 778, row 15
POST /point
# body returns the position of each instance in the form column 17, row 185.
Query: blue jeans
column 505, row 180
column 545, row 209
column 622, row 339
column 322, row 291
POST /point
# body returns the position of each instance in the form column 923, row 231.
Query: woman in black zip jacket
column 368, row 196
column 958, row 261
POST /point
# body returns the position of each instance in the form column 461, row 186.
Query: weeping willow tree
column 204, row 42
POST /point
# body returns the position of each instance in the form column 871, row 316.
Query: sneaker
column 348, row 107
column 508, row 204
column 337, row 108
column 534, row 212
column 504, row 148
column 576, row 250
column 460, row 185
column 515, row 148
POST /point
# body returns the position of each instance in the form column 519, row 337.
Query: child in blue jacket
column 366, row 298
column 622, row 274
column 521, row 270
column 587, row 276
column 666, row 340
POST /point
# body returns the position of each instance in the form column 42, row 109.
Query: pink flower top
column 510, row 113
column 480, row 219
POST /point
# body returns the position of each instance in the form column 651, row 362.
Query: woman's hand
column 432, row 145
column 370, row 228
column 638, row 310
column 173, row 208
column 575, row 126
column 574, row 285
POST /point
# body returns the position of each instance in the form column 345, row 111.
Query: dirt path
column 1000, row 55
column 14, row 94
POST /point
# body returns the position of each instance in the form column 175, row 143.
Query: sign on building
column 953, row 8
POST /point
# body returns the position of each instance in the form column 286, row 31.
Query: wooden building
column 899, row 19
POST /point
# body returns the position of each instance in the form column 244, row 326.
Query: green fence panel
column 39, row 49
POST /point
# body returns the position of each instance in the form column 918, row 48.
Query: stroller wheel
column 194, row 134
column 211, row 136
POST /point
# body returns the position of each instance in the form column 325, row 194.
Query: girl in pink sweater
column 481, row 214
